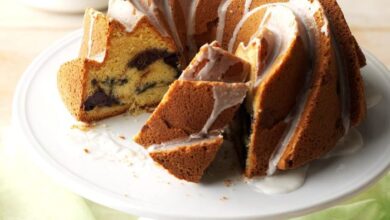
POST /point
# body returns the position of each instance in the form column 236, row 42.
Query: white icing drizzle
column 293, row 119
column 280, row 183
column 255, row 43
column 267, row 22
column 167, row 9
column 149, row 8
column 191, row 13
column 192, row 140
column 92, row 18
column 301, row 8
column 278, row 30
column 124, row 12
column 130, row 12
column 240, row 24
column 223, row 99
column 212, row 55
column 222, row 10
column 217, row 65
column 325, row 27
column 247, row 6
column 349, row 144
column 96, row 57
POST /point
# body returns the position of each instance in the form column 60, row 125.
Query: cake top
column 212, row 63
column 130, row 12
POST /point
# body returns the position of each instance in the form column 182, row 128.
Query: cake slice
column 184, row 129
column 204, row 99
column 189, row 159
column 188, row 109
column 127, row 61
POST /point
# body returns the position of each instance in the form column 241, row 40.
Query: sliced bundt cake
column 123, row 65
column 304, row 92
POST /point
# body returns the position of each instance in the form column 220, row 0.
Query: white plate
column 106, row 175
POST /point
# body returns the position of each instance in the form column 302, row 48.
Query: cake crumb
column 86, row 150
column 83, row 126
column 227, row 182
column 122, row 137
column 224, row 198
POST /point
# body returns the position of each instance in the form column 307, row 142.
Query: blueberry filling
column 100, row 99
column 142, row 60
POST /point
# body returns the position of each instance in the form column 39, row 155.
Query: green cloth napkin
column 28, row 194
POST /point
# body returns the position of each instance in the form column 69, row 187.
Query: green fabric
column 371, row 204
column 28, row 194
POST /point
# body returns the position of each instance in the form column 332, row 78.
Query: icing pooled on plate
column 281, row 182
column 351, row 143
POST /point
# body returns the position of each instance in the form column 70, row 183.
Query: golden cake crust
column 353, row 57
column 272, row 105
column 184, row 110
column 318, row 127
column 238, row 70
column 235, row 12
column 206, row 19
column 71, row 80
column 96, row 28
column 73, row 77
column 189, row 162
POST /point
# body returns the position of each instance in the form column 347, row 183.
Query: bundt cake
column 295, row 62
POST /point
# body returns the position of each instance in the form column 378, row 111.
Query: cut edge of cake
column 93, row 86
column 187, row 160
